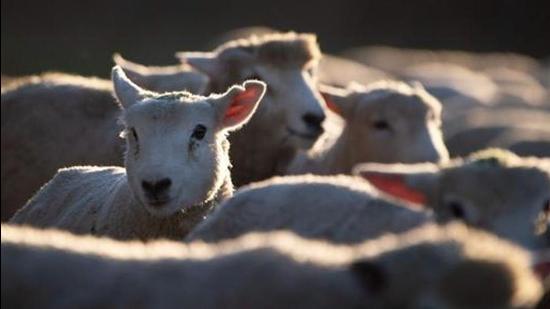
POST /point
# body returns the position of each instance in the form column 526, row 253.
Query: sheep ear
column 417, row 85
column 134, row 71
column 337, row 100
column 204, row 62
column 371, row 275
column 127, row 65
column 126, row 91
column 415, row 183
column 237, row 105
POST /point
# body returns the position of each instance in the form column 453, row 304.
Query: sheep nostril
column 163, row 185
column 314, row 121
column 147, row 186
column 158, row 187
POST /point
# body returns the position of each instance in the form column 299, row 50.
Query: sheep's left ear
column 237, row 105
column 337, row 100
column 415, row 183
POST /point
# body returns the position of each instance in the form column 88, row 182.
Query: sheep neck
column 341, row 157
column 136, row 222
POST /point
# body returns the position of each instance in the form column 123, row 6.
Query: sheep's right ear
column 337, row 100
column 415, row 183
column 126, row 91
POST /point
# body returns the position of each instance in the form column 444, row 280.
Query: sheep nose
column 314, row 121
column 156, row 188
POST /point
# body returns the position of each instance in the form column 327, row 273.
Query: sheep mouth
column 158, row 203
column 308, row 136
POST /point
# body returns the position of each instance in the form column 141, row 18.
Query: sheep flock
column 264, row 173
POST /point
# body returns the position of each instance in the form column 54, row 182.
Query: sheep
column 450, row 267
column 393, row 60
column 163, row 79
column 387, row 121
column 456, row 86
column 177, row 167
column 292, row 113
column 51, row 121
column 521, row 130
column 461, row 78
column 63, row 116
column 333, row 70
column 341, row 209
column 459, row 87
column 518, row 87
column 522, row 141
column 455, row 268
column 492, row 189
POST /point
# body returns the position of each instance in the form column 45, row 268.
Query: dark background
column 80, row 36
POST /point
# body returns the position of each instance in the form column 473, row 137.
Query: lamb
column 430, row 266
column 292, row 113
column 492, row 189
column 387, row 121
column 340, row 209
column 177, row 167
column 163, row 79
column 51, row 121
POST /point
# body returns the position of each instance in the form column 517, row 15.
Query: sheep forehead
column 400, row 93
column 495, row 187
column 169, row 109
column 398, row 105
column 278, row 49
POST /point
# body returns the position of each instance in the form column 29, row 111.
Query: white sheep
column 51, row 121
column 292, row 112
column 524, row 131
column 492, row 189
column 449, row 267
column 393, row 60
column 340, row 209
column 163, row 79
column 177, row 167
column 387, row 121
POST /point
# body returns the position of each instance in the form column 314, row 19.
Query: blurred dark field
column 80, row 36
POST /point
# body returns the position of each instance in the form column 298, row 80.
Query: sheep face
column 513, row 202
column 510, row 197
column 391, row 122
column 451, row 274
column 293, row 109
column 177, row 152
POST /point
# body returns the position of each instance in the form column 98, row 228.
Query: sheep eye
column 199, row 132
column 134, row 134
column 381, row 125
column 457, row 210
